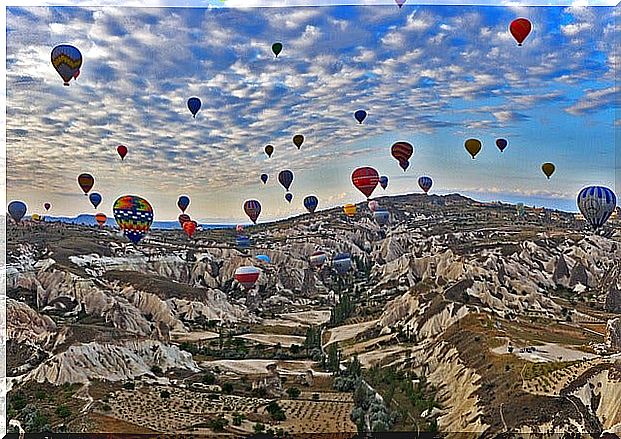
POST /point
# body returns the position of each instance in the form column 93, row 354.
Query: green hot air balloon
column 277, row 48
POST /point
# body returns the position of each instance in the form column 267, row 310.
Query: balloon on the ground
column 310, row 203
column 298, row 140
column 134, row 215
column 239, row 228
column 425, row 183
column 36, row 217
column 264, row 258
column 373, row 205
column 247, row 276
column 194, row 104
column 252, row 209
column 95, row 199
column 86, row 182
column 269, row 150
column 285, row 178
column 342, row 263
column 264, row 178
column 548, row 169
column 318, row 258
column 501, row 144
column 350, row 210
column 473, row 146
column 101, row 219
column 520, row 28
column 67, row 61
column 383, row 181
column 381, row 217
column 17, row 210
column 365, row 179
column 276, row 49
column 596, row 203
column 360, row 115
column 242, row 242
column 122, row 151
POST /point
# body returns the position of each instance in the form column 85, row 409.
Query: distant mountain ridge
column 89, row 220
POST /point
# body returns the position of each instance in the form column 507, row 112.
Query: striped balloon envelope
column 365, row 179
column 425, row 183
column 596, row 203
column 310, row 203
column 350, row 210
column 252, row 209
column 134, row 215
column 101, row 219
column 247, row 276
column 402, row 151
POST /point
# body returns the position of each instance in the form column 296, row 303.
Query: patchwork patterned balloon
column 134, row 215
column 67, row 61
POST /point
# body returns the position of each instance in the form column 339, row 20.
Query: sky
column 430, row 75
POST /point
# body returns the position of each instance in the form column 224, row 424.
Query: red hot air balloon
column 189, row 227
column 365, row 179
column 520, row 28
column 402, row 151
column 122, row 150
column 183, row 218
column 247, row 276
column 101, row 219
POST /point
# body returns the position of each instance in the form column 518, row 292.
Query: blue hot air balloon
column 264, row 178
column 242, row 241
column 425, row 183
column 17, row 210
column 381, row 216
column 183, row 202
column 264, row 258
column 289, row 196
column 596, row 203
column 285, row 178
column 95, row 199
column 67, row 61
column 383, row 181
column 360, row 115
column 311, row 203
column 194, row 104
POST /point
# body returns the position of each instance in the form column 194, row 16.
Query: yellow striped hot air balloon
column 350, row 210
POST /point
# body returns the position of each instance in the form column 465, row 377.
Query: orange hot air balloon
column 101, row 219
column 350, row 210
column 190, row 227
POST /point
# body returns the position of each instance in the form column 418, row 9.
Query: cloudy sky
column 430, row 75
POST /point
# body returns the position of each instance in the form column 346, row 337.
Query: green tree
column 227, row 388
column 259, row 428
column 63, row 411
column 209, row 378
column 293, row 392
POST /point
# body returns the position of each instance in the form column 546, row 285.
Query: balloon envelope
column 264, row 178
column 264, row 258
column 183, row 218
column 350, row 210
column 360, row 115
column 277, row 48
column 285, row 178
column 400, row 3
column 381, row 217
column 342, row 263
column 86, row 182
column 289, row 196
column 373, row 205
column 269, row 150
column 47, row 206
column 190, row 227
column 473, row 146
column 67, row 61
column 501, row 144
column 310, row 203
column 548, row 169
column 596, row 203
column 520, row 28
column 425, row 183
column 242, row 242
column 134, row 216
column 194, row 104
column 183, row 202
column 17, row 210
column 402, row 151
column 95, row 199
column 252, row 209
column 122, row 150
column 383, row 181
column 239, row 228
column 298, row 140
column 247, row 276
column 101, row 219
column 365, row 179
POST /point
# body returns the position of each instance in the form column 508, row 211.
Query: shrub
column 156, row 369
column 164, row 394
column 129, row 385
column 63, row 411
column 218, row 424
column 227, row 388
column 258, row 427
column 293, row 392
column 209, row 378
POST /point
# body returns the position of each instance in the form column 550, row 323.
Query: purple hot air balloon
column 383, row 181
column 404, row 164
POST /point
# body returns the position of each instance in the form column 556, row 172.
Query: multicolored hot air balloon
column 67, row 61
column 317, row 259
column 596, row 203
column 289, row 197
column 360, row 115
column 276, row 49
column 47, row 206
column 373, row 205
column 342, row 263
column 264, row 258
column 402, row 151
column 298, row 140
column 520, row 28
column 95, row 199
column 310, row 203
column 381, row 217
column 183, row 218
column 189, row 227
column 365, row 179
column 473, row 146
column 269, row 150
column 101, row 219
column 86, row 182
column 194, row 104
column 242, row 241
column 239, row 228
column 247, row 276
column 122, row 151
column 252, row 209
column 425, row 183
column 350, row 210
column 501, row 144
column 548, row 169
column 134, row 215
column 183, row 202
column 17, row 210
column 383, row 181
column 285, row 178
column 264, row 178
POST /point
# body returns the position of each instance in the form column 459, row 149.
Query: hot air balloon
column 122, row 150
column 264, row 258
column 247, row 276
column 183, row 218
column 17, row 210
column 95, row 199
column 298, row 139
column 101, row 219
column 239, row 228
column 381, row 217
column 383, row 181
column 425, row 183
column 269, row 150
column 86, row 182
column 548, row 169
column 289, row 197
column 134, row 216
column 252, row 209
column 473, row 146
column 285, row 178
column 402, row 151
column 277, row 48
column 317, row 259
column 36, row 217
column 242, row 242
column 596, row 203
column 76, row 74
column 520, row 28
column 350, row 210
column 360, row 115
column 194, row 104
column 501, row 144
column 189, row 227
column 47, row 206
column 365, row 179
column 183, row 202
column 342, row 263
column 400, row 3
column 310, row 203
column 67, row 61
column 373, row 205
column 264, row 178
